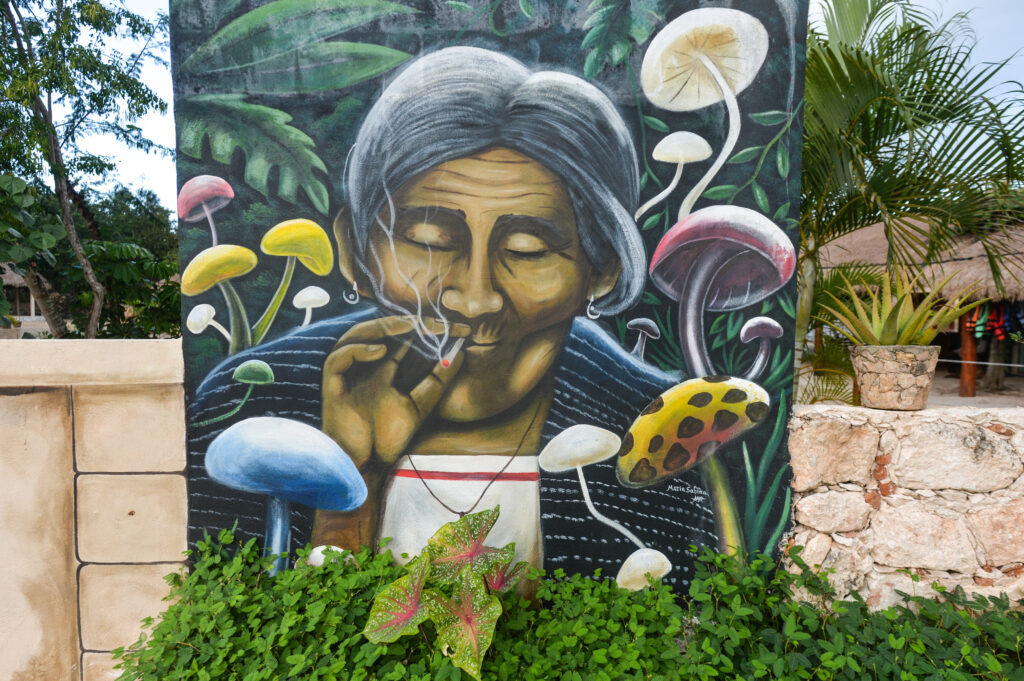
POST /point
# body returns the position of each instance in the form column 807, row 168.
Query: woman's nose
column 470, row 292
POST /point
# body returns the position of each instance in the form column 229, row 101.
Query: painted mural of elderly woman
column 489, row 214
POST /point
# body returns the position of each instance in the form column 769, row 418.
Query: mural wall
column 444, row 256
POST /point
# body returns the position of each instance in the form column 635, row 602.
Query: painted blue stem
column 278, row 533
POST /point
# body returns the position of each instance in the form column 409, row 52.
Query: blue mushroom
column 290, row 462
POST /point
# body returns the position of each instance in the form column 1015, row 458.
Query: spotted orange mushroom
column 682, row 428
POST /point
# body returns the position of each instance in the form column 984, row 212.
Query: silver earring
column 351, row 297
column 591, row 312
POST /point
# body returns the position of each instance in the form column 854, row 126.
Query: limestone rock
column 833, row 511
column 829, row 449
column 1000, row 531
column 912, row 536
column 939, row 455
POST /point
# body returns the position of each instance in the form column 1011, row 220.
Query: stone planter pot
column 894, row 376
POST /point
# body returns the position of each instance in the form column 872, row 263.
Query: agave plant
column 889, row 316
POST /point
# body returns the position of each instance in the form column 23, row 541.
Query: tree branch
column 37, row 287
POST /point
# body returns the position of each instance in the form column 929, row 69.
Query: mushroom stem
column 308, row 318
column 761, row 361
column 220, row 327
column 664, row 192
column 235, row 410
column 641, row 343
column 209, row 218
column 241, row 338
column 262, row 325
column 691, row 311
column 730, row 139
column 604, row 519
column 727, row 521
column 277, row 533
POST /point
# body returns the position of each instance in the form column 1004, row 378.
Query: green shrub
column 228, row 620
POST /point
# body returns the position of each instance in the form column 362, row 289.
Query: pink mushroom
column 201, row 196
column 719, row 258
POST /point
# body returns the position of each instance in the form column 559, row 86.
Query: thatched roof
column 966, row 261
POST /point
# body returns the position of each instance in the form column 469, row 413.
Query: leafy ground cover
column 228, row 620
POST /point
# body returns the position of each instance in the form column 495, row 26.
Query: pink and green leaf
column 465, row 622
column 460, row 544
column 503, row 576
column 398, row 609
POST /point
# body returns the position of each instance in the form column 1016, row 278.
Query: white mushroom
column 679, row 148
column 201, row 317
column 578, row 446
column 703, row 57
column 309, row 298
column 763, row 329
column 640, row 567
column 319, row 553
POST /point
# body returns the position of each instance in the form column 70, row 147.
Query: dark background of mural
column 233, row 127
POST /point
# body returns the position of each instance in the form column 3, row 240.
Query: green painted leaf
column 782, row 212
column 460, row 544
column 656, row 124
column 315, row 68
column 722, row 191
column 619, row 52
column 593, row 63
column 265, row 138
column 526, row 9
column 398, row 609
column 653, row 220
column 782, row 160
column 282, row 27
column 651, row 299
column 465, row 622
column 760, row 197
column 748, row 154
column 770, row 117
column 460, row 6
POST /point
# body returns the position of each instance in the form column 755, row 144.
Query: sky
column 997, row 25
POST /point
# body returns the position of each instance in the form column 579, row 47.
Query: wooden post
column 968, row 353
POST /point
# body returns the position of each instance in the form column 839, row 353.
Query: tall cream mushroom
column 581, row 445
column 679, row 148
column 703, row 57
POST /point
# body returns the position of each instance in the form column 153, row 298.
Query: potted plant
column 893, row 359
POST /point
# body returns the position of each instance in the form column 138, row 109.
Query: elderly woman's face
column 491, row 239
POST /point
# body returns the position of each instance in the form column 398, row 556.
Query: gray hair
column 460, row 101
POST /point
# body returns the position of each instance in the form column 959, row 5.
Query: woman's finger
column 342, row 359
column 428, row 392
column 384, row 327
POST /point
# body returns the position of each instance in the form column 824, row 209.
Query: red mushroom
column 201, row 196
column 719, row 258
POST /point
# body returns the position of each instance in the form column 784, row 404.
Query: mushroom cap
column 686, row 424
column 214, row 191
column 199, row 317
column 681, row 147
column 578, row 445
column 214, row 265
column 311, row 296
column 673, row 75
column 253, row 371
column 763, row 258
column 287, row 459
column 319, row 553
column 633, row 575
column 760, row 327
column 303, row 239
column 645, row 326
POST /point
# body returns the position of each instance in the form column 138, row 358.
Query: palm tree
column 902, row 129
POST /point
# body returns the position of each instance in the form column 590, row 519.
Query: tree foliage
column 903, row 128
column 61, row 81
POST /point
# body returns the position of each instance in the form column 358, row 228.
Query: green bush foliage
column 752, row 620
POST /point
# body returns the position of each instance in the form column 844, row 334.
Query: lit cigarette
column 447, row 359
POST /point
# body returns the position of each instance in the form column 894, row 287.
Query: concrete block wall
column 883, row 495
column 93, row 434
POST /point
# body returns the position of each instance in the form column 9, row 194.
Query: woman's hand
column 363, row 411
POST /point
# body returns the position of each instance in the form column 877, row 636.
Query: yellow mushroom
column 683, row 427
column 301, row 240
column 216, row 266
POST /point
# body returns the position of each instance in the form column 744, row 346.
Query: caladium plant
column 451, row 583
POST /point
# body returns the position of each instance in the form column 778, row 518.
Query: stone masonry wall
column 938, row 493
